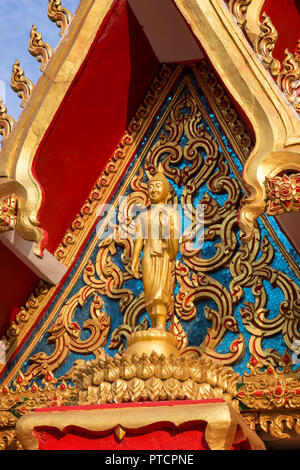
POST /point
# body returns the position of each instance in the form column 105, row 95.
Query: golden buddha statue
column 157, row 235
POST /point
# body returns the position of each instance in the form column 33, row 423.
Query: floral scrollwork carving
column 65, row 333
column 287, row 73
column 283, row 194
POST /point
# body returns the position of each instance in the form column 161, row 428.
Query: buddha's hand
column 135, row 268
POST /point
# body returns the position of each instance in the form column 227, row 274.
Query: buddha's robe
column 159, row 227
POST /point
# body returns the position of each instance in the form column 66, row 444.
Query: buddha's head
column 158, row 187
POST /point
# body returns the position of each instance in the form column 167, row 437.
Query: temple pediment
column 132, row 87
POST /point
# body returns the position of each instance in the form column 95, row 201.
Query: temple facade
column 117, row 339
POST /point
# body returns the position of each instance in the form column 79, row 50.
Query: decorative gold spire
column 20, row 84
column 38, row 48
column 288, row 80
column 59, row 15
column 265, row 44
column 6, row 121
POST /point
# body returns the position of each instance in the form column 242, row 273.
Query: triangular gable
column 224, row 290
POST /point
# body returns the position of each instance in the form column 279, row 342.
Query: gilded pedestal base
column 154, row 377
column 152, row 340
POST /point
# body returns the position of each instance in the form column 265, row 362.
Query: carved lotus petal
column 111, row 371
column 172, row 388
column 136, row 389
column 127, row 369
column 98, row 376
column 119, row 389
column 181, row 372
column 105, row 393
column 153, row 387
column 204, row 391
column 145, row 369
column 163, row 369
column 189, row 389
column 197, row 373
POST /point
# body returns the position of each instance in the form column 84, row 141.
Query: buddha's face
column 158, row 191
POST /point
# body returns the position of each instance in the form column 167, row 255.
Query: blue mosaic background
column 196, row 329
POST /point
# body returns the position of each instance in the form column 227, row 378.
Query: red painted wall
column 94, row 115
column 16, row 282
column 285, row 16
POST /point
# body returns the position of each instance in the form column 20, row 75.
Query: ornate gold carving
column 280, row 425
column 34, row 302
column 120, row 432
column 215, row 92
column 65, row 334
column 8, row 213
column 105, row 278
column 6, row 121
column 286, row 74
column 283, row 194
column 59, row 15
column 38, row 48
column 263, row 395
column 277, row 129
column 20, row 399
column 20, row 84
column 265, row 44
column 7, row 437
column 289, row 79
column 153, row 377
column 193, row 272
column 239, row 9
column 248, row 270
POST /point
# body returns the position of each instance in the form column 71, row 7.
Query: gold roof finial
column 20, row 84
column 6, row 121
column 38, row 48
column 59, row 15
